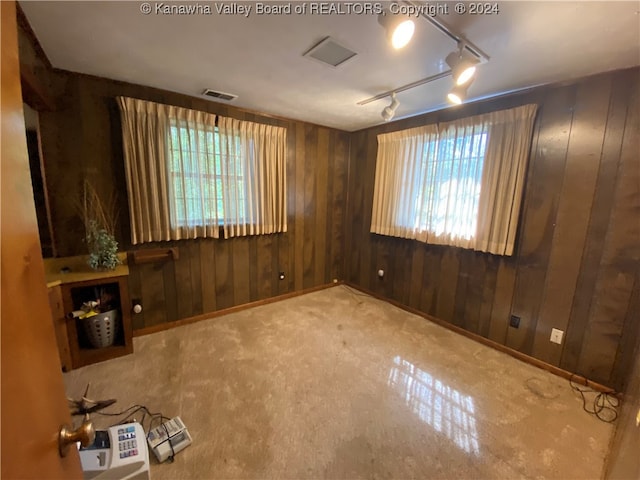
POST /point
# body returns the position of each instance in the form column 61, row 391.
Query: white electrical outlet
column 556, row 336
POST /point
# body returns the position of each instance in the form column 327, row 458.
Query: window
column 189, row 173
column 458, row 183
column 453, row 176
column 200, row 170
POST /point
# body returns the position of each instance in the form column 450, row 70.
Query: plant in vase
column 99, row 225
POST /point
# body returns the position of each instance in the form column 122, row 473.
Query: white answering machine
column 119, row 453
column 168, row 439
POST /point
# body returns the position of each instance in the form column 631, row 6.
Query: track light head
column 389, row 111
column 399, row 28
column 458, row 94
column 463, row 66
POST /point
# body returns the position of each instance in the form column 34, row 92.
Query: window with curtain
column 191, row 173
column 197, row 179
column 457, row 183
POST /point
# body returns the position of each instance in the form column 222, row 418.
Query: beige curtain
column 503, row 178
column 152, row 147
column 399, row 181
column 187, row 178
column 457, row 183
column 258, row 151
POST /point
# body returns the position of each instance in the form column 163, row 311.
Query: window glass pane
column 198, row 176
column 450, row 175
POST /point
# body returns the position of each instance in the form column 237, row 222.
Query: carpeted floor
column 336, row 384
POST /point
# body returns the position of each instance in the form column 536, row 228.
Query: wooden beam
column 34, row 93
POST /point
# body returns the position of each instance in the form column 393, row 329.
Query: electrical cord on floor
column 131, row 411
column 604, row 404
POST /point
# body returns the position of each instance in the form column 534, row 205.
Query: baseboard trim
column 225, row 311
column 574, row 377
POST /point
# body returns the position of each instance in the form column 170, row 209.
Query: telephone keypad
column 127, row 443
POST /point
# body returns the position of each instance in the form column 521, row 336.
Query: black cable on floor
column 604, row 404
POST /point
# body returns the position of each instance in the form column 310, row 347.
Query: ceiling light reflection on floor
column 438, row 405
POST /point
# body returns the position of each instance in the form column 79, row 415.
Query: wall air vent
column 330, row 52
column 219, row 95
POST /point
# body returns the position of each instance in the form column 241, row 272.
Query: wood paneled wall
column 83, row 138
column 578, row 247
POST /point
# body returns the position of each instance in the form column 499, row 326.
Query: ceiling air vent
column 220, row 95
column 330, row 52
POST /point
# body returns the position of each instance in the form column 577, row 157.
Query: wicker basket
column 101, row 329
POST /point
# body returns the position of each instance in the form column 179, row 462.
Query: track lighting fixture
column 399, row 28
column 389, row 111
column 462, row 62
column 458, row 94
column 462, row 65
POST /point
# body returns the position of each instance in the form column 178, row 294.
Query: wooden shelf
column 81, row 352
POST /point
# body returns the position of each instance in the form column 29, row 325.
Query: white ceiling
column 259, row 58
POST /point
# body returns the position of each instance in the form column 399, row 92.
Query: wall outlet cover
column 514, row 321
column 556, row 336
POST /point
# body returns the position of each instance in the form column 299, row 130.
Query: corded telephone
column 117, row 453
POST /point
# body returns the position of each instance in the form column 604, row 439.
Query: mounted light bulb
column 462, row 65
column 458, row 94
column 402, row 34
column 399, row 28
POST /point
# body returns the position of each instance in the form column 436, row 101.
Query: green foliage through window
column 207, row 176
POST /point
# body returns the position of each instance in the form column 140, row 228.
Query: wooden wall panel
column 485, row 312
column 368, row 268
column 574, row 209
column 575, row 244
column 224, row 274
column 358, row 161
column 545, row 174
column 153, row 294
column 502, row 300
column 310, row 186
column 417, row 273
column 83, row 138
column 320, row 201
column 207, row 275
column 599, row 221
column 183, row 287
column 135, row 293
column 300, row 161
column 620, row 260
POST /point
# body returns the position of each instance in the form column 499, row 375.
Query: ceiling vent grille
column 330, row 52
column 219, row 95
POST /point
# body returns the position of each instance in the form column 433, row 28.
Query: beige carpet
column 335, row 384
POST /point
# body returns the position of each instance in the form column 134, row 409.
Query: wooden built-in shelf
column 80, row 352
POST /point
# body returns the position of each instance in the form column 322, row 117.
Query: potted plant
column 99, row 224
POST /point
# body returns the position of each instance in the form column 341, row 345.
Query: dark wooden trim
column 579, row 379
column 24, row 24
column 34, row 93
column 226, row 311
column 45, row 187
